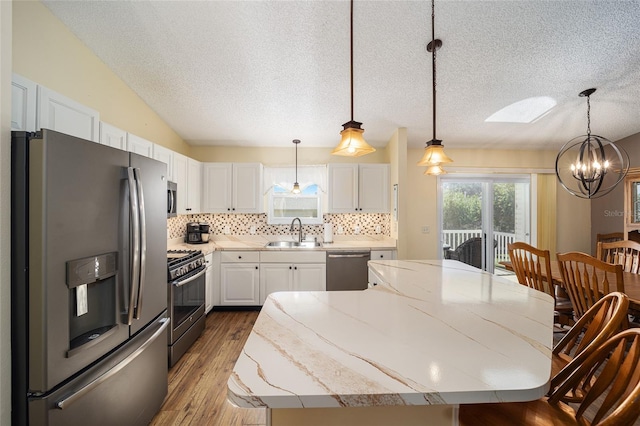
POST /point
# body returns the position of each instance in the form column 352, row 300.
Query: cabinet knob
column 289, row 267
column 295, row 267
column 256, row 267
column 239, row 257
column 234, row 209
column 228, row 209
column 382, row 256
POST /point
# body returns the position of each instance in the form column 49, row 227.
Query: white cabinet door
column 194, row 186
column 165, row 155
column 383, row 254
column 343, row 188
column 240, row 284
column 373, row 188
column 275, row 277
column 59, row 113
column 139, row 145
column 247, row 188
column 217, row 179
column 23, row 104
column 309, row 277
column 209, row 282
column 112, row 136
column 358, row 188
column 180, row 178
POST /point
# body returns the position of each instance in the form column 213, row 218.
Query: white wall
column 5, row 231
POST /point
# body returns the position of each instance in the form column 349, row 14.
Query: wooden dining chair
column 610, row 237
column 609, row 378
column 531, row 266
column 625, row 253
column 586, row 279
column 605, row 318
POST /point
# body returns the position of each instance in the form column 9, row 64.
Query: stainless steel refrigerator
column 89, row 283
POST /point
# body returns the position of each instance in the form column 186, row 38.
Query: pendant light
column 352, row 143
column 590, row 166
column 434, row 154
column 296, row 185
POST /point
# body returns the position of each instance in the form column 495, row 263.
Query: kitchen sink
column 293, row 244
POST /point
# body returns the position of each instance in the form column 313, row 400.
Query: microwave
column 172, row 199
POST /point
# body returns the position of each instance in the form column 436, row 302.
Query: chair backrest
column 470, row 251
column 531, row 266
column 605, row 318
column 607, row 238
column 586, row 279
column 609, row 376
column 625, row 253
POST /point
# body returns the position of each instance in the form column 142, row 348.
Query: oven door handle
column 188, row 280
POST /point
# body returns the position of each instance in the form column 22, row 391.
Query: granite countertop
column 434, row 332
column 258, row 242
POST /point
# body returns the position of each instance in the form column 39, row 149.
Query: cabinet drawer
column 297, row 256
column 240, row 256
column 382, row 254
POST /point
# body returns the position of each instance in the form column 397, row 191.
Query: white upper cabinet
column 232, row 188
column 187, row 174
column 59, row 113
column 358, row 188
column 165, row 155
column 112, row 136
column 23, row 104
column 139, row 145
column 194, row 186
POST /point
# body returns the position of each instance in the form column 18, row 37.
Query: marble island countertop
column 434, row 332
column 258, row 242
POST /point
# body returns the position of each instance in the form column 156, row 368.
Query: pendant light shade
column 590, row 166
column 296, row 185
column 434, row 154
column 435, row 170
column 352, row 143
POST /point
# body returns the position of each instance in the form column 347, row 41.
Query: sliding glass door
column 480, row 215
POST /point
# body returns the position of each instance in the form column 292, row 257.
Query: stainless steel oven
column 186, row 272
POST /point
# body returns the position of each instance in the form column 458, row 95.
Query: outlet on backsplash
column 256, row 224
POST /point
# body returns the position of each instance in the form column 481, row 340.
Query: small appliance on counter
column 197, row 233
column 328, row 233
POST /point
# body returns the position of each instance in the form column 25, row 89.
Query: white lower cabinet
column 291, row 271
column 209, row 283
column 239, row 278
column 383, row 254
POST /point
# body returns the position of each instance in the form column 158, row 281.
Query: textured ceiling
column 261, row 73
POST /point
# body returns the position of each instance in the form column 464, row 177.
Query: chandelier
column 590, row 166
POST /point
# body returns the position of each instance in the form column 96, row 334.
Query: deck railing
column 454, row 237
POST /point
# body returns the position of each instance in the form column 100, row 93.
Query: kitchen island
column 430, row 336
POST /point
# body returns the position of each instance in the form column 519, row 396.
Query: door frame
column 487, row 218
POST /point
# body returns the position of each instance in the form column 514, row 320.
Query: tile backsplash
column 249, row 224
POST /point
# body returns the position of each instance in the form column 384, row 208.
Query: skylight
column 524, row 111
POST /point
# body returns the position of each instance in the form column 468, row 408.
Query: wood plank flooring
column 198, row 382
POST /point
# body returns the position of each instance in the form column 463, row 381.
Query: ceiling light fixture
column 590, row 166
column 434, row 154
column 352, row 143
column 296, row 185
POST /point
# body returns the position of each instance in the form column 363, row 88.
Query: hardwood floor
column 198, row 382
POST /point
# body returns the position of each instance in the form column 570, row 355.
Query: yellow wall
column 46, row 52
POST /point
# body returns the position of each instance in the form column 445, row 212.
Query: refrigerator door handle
column 77, row 395
column 143, row 243
column 135, row 236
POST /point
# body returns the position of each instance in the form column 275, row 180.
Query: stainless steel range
column 186, row 270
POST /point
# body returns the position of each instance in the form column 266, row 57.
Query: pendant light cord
column 351, row 50
column 433, row 63
column 588, row 116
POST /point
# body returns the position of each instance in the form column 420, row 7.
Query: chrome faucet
column 299, row 228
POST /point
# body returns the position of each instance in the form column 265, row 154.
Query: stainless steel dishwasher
column 347, row 270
